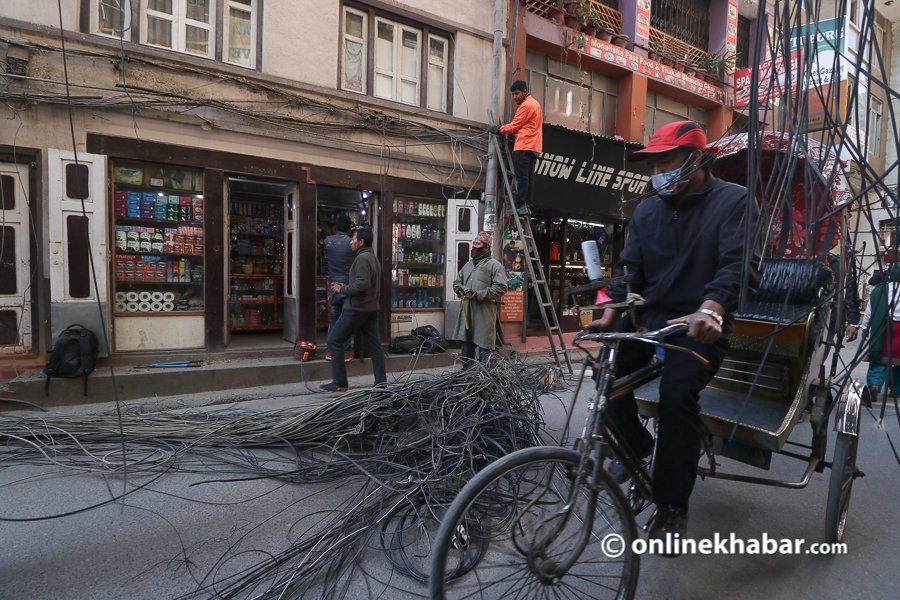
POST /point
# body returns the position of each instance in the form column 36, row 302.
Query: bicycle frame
column 598, row 440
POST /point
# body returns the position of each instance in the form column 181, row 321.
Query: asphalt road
column 167, row 538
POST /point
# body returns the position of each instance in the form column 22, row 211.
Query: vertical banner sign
column 731, row 29
column 642, row 20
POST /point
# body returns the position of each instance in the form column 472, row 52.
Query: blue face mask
column 671, row 183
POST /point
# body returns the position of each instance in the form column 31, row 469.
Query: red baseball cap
column 680, row 134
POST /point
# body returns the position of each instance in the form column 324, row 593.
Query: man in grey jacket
column 360, row 313
column 480, row 284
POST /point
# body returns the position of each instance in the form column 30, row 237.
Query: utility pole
column 490, row 180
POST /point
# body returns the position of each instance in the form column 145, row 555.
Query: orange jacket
column 527, row 124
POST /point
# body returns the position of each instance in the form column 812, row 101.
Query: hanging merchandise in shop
column 584, row 176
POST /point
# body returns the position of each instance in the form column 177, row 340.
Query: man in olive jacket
column 360, row 312
column 480, row 284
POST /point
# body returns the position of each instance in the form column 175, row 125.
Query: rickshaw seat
column 789, row 290
column 755, row 401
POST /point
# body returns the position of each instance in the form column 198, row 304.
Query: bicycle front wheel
column 519, row 529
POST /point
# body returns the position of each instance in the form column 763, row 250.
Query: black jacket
column 686, row 251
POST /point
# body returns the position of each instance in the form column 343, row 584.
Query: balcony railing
column 670, row 46
column 612, row 18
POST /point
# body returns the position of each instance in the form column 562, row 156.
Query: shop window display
column 158, row 240
column 418, row 253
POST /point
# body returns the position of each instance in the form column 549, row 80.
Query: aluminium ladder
column 532, row 259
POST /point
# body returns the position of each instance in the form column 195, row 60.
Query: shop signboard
column 584, row 176
column 513, row 307
column 764, row 90
column 826, row 47
column 626, row 59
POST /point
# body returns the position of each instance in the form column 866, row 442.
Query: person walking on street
column 527, row 125
column 480, row 284
column 360, row 312
column 881, row 324
column 685, row 250
column 339, row 256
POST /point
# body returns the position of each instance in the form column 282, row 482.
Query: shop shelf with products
column 323, row 309
column 255, row 300
column 158, row 240
column 418, row 255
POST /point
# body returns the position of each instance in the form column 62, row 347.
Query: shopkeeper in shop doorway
column 339, row 256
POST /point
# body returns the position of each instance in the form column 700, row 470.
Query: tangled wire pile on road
column 409, row 446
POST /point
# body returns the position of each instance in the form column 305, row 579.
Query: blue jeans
column 336, row 307
column 876, row 375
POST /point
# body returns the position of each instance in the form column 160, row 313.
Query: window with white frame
column 438, row 53
column 354, row 51
column 239, row 43
column 111, row 17
column 393, row 60
column 188, row 26
column 182, row 25
column 397, row 57
column 875, row 122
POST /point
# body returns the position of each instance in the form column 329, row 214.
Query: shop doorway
column 361, row 206
column 257, row 265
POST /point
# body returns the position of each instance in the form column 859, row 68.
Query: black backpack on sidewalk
column 74, row 355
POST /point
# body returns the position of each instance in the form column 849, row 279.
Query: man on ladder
column 527, row 125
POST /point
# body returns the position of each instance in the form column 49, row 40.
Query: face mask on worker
column 674, row 182
column 478, row 253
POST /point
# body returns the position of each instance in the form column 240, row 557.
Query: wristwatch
column 713, row 314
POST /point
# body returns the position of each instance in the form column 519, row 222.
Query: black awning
column 584, row 176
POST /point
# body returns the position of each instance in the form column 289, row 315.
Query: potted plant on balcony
column 724, row 64
column 705, row 65
column 556, row 12
column 592, row 19
column 654, row 52
column 579, row 40
column 690, row 66
column 620, row 39
column 606, row 34
column 572, row 18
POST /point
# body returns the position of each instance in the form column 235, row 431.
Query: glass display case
column 158, row 240
column 418, row 254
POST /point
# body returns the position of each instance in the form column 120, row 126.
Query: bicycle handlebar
column 645, row 336
column 656, row 337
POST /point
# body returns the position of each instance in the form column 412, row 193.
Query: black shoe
column 669, row 520
column 333, row 387
column 618, row 470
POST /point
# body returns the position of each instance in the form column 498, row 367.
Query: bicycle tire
column 485, row 548
column 840, row 486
